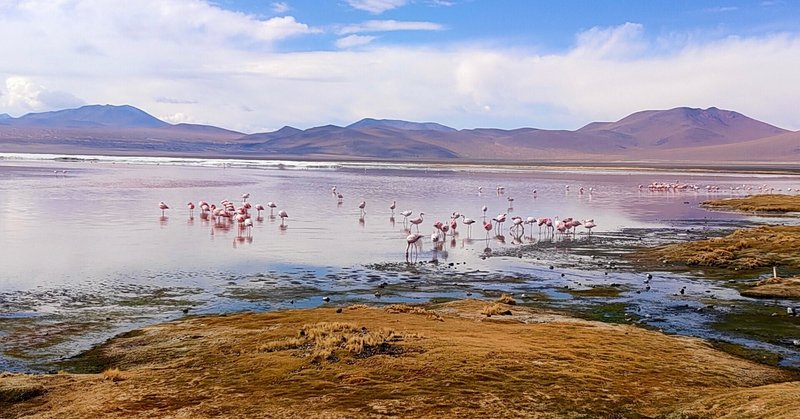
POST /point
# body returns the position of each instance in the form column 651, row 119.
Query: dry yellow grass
column 113, row 374
column 530, row 364
column 495, row 309
column 506, row 299
column 744, row 249
column 775, row 287
column 758, row 203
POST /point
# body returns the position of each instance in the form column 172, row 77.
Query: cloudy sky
column 257, row 65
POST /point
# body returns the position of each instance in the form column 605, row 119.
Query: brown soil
column 445, row 361
column 775, row 288
column 758, row 203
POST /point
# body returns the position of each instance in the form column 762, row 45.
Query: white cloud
column 376, row 6
column 351, row 41
column 618, row 41
column 23, row 95
column 280, row 7
column 388, row 26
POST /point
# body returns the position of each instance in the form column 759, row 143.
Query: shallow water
column 87, row 253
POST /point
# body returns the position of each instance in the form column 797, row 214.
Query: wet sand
column 440, row 360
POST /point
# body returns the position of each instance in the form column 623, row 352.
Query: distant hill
column 685, row 134
column 685, row 127
column 398, row 124
column 108, row 116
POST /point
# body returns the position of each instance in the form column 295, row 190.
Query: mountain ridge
column 662, row 134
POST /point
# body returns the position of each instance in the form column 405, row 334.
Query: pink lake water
column 89, row 247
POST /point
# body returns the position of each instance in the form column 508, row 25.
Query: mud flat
column 438, row 360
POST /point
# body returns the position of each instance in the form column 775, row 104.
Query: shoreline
column 767, row 168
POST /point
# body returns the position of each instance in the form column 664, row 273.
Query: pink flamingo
column 499, row 220
column 393, row 206
column 517, row 224
column 271, row 206
column 488, row 227
column 283, row 215
column 412, row 240
column 453, row 226
column 259, row 208
column 417, row 221
column 361, row 206
column 405, row 215
column 190, row 205
column 468, row 222
column 163, row 207
column 245, row 196
column 589, row 225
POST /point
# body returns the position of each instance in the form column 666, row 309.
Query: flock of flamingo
column 229, row 213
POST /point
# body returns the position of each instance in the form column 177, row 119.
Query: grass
column 775, row 203
column 775, row 288
column 506, row 299
column 742, row 250
column 534, row 363
column 495, row 309
column 597, row 291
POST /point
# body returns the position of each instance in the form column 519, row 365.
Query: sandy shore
column 443, row 360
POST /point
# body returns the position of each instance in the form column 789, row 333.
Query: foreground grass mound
column 446, row 360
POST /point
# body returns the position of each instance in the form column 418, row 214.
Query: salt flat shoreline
column 750, row 167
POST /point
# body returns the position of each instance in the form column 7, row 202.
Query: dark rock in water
column 552, row 267
column 185, row 311
column 339, row 310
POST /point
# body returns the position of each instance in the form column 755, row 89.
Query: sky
column 258, row 65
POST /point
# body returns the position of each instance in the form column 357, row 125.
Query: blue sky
column 258, row 65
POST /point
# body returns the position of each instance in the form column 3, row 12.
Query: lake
column 87, row 253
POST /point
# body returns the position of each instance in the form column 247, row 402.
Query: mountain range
column 681, row 134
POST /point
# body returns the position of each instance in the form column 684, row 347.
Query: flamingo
column 340, row 197
column 453, row 226
column 248, row 224
column 333, row 190
column 412, row 239
column 500, row 219
column 589, row 225
column 417, row 221
column 517, row 224
column 405, row 215
column 283, row 215
column 245, row 196
column 163, row 207
column 488, row 227
column 484, row 209
column 190, row 205
column 271, row 206
column 361, row 206
column 259, row 208
column 393, row 206
column 468, row 222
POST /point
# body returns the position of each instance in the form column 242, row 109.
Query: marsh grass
column 330, row 340
column 775, row 203
column 742, row 250
column 495, row 309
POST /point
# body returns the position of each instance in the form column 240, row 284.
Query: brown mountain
column 687, row 134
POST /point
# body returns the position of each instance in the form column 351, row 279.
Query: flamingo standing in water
column 468, row 222
column 163, row 207
column 283, row 215
column 589, row 225
column 405, row 214
column 271, row 206
column 488, row 227
column 499, row 220
column 361, row 206
column 412, row 240
column 484, row 209
column 245, row 196
column 190, row 205
column 393, row 206
column 259, row 208
column 417, row 221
